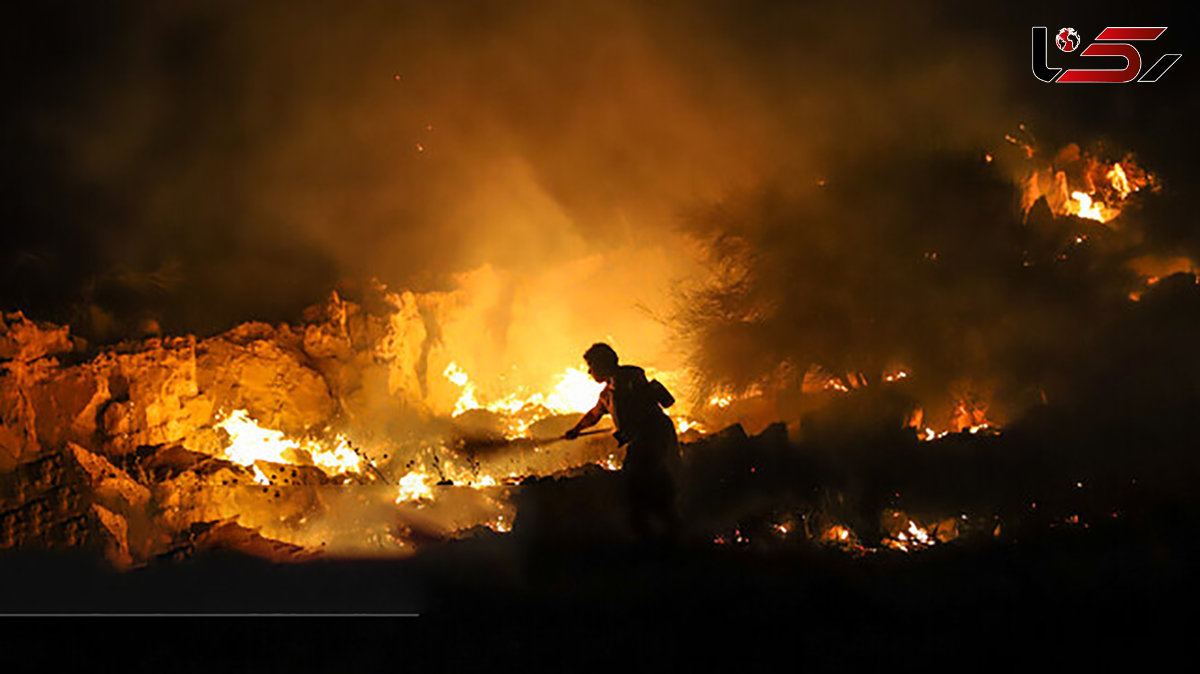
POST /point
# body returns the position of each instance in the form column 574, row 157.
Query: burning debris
column 234, row 428
column 1080, row 184
column 361, row 431
column 287, row 431
column 574, row 393
column 191, row 470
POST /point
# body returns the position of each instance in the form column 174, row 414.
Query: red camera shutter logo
column 1112, row 41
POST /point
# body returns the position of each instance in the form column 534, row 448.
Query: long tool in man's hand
column 594, row 431
column 560, row 438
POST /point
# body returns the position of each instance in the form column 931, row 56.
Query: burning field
column 287, row 333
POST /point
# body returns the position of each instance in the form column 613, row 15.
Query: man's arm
column 590, row 419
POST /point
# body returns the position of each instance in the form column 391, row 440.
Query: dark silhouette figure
column 651, row 446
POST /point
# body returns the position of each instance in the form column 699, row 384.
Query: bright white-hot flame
column 456, row 375
column 415, row 487
column 1100, row 191
column 339, row 460
column 835, row 385
column 721, row 401
column 918, row 534
column 251, row 442
column 466, row 399
column 260, row 477
column 929, row 435
column 1083, row 206
column 836, row 534
column 482, row 481
column 911, row 537
column 575, row 391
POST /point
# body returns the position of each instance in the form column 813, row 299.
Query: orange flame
column 1080, row 185
column 250, row 442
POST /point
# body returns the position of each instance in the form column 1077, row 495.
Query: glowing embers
column 418, row 486
column 736, row 537
column 722, row 405
column 929, row 435
column 898, row 533
column 818, row 379
column 445, row 508
column 985, row 428
column 968, row 416
column 840, row 536
column 250, row 442
column 501, row 524
column 836, row 385
column 905, row 534
column 911, row 538
column 720, row 400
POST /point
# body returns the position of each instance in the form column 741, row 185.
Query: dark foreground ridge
column 1091, row 572
column 1070, row 594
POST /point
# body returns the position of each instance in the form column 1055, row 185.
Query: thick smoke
column 220, row 161
column 191, row 166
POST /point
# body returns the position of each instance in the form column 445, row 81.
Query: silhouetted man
column 651, row 447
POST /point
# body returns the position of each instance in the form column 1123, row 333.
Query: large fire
column 432, row 479
column 574, row 392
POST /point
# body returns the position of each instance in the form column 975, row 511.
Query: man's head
column 601, row 361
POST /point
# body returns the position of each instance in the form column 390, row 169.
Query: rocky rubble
column 114, row 448
column 74, row 498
